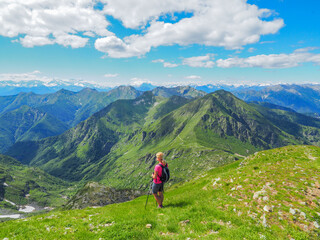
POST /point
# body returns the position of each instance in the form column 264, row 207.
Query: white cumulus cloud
column 111, row 75
column 137, row 13
column 271, row 61
column 115, row 47
column 28, row 76
column 165, row 64
column 44, row 22
column 193, row 77
column 306, row 49
column 135, row 81
column 31, row 41
column 200, row 61
column 71, row 40
column 170, row 65
column 158, row 61
column 230, row 24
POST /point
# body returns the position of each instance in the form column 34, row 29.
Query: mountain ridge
column 301, row 98
column 27, row 123
column 200, row 134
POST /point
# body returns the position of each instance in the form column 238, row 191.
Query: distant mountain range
column 67, row 106
column 40, row 87
column 303, row 98
column 30, row 116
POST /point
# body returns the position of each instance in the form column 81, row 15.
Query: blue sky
column 115, row 42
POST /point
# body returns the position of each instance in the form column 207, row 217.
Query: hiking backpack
column 165, row 176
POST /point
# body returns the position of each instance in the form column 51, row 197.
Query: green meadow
column 273, row 194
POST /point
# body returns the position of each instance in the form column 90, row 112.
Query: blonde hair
column 160, row 155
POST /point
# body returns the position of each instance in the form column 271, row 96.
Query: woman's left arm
column 154, row 175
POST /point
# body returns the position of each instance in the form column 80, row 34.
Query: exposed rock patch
column 96, row 194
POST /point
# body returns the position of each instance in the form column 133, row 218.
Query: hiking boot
column 160, row 206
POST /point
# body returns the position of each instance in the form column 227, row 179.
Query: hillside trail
column 180, row 138
column 309, row 155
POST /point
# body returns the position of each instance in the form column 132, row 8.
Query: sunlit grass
column 211, row 206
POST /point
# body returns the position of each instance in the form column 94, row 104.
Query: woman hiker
column 157, row 186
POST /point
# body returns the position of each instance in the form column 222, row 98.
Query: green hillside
column 116, row 146
column 69, row 107
column 303, row 127
column 29, row 185
column 181, row 91
column 26, row 123
column 272, row 194
column 29, row 116
column 205, row 133
column 72, row 154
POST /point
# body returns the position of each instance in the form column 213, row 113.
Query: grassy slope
column 202, row 134
column 26, row 123
column 302, row 126
column 217, row 205
column 182, row 91
column 43, row 189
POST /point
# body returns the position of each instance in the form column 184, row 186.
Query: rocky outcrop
column 96, row 194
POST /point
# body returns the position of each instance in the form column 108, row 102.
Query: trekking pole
column 145, row 207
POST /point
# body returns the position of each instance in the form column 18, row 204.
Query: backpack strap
column 161, row 168
column 162, row 165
